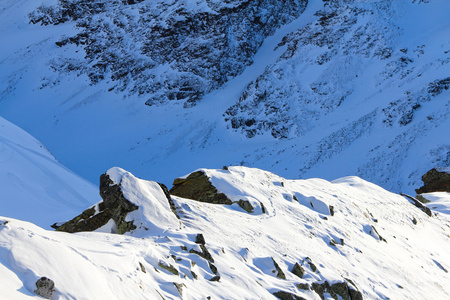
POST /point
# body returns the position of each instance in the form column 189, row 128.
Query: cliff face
column 165, row 50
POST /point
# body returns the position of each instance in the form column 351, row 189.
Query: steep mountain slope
column 314, row 239
column 332, row 89
column 34, row 186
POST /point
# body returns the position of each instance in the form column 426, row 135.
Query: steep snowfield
column 386, row 246
column 34, row 186
column 378, row 132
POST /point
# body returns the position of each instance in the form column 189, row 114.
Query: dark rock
column 142, row 267
column 263, row 208
column 435, row 181
column 198, row 187
column 213, row 268
column 280, row 273
column 169, row 268
column 114, row 206
column 302, row 286
column 179, row 287
column 298, row 270
column 215, row 278
column 194, row 275
column 331, row 210
column 245, row 205
column 418, row 204
column 311, row 265
column 282, row 295
column 199, row 239
column 169, row 199
column 204, row 253
column 339, row 290
column 422, row 199
column 45, row 287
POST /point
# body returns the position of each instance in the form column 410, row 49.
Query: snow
column 439, row 201
column 34, row 186
column 412, row 262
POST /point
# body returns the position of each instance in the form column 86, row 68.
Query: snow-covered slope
column 352, row 88
column 335, row 232
column 34, row 186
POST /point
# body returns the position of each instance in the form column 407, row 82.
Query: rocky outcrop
column 339, row 290
column 45, row 287
column 198, row 187
column 200, row 46
column 282, row 295
column 114, row 206
column 418, row 204
column 435, row 180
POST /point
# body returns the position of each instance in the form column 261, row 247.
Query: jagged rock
column 245, row 205
column 213, row 268
column 418, row 204
column 179, row 287
column 204, row 253
column 198, row 187
column 435, row 181
column 200, row 239
column 114, row 206
column 142, row 267
column 298, row 270
column 169, row 199
column 45, row 287
column 282, row 295
column 280, row 273
column 339, row 290
column 169, row 268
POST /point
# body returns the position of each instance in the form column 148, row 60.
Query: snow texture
column 385, row 245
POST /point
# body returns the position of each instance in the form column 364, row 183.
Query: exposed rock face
column 198, row 187
column 435, row 181
column 417, row 203
column 340, row 290
column 167, row 50
column 45, row 287
column 282, row 295
column 114, row 206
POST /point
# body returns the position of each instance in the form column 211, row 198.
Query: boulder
column 45, row 287
column 198, row 187
column 435, row 180
column 338, row 290
column 114, row 206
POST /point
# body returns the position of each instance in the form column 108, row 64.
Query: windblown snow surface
column 34, row 186
column 347, row 88
column 386, row 246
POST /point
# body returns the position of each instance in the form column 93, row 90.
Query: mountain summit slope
column 347, row 238
column 330, row 89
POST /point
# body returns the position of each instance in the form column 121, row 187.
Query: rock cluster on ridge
column 113, row 212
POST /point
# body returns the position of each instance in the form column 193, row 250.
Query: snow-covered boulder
column 129, row 204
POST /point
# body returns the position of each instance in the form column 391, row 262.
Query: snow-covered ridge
column 347, row 238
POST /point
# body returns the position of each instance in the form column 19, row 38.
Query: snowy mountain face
column 184, row 48
column 303, row 239
column 301, row 88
